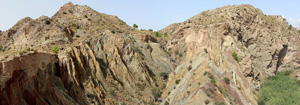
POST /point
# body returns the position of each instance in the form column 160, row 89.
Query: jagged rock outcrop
column 218, row 56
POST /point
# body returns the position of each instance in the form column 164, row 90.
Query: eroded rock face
column 31, row 79
column 101, row 60
column 262, row 43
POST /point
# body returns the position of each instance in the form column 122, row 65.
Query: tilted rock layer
column 218, row 56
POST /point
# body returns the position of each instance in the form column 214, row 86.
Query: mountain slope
column 211, row 41
column 97, row 62
column 219, row 56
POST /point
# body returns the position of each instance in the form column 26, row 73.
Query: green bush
column 47, row 22
column 290, row 27
column 54, row 49
column 177, row 81
column 157, row 34
column 135, row 26
column 207, row 101
column 190, row 67
column 1, row 47
column 165, row 34
column 77, row 36
column 150, row 29
column 234, row 55
column 164, row 74
column 280, row 90
column 213, row 81
column 227, row 81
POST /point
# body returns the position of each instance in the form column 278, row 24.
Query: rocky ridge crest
column 102, row 60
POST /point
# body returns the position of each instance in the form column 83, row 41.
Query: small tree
column 54, row 49
column 227, row 81
column 135, row 26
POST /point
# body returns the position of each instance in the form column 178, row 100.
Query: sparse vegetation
column 190, row 67
column 219, row 103
column 139, row 51
column 111, row 92
column 135, row 26
column 150, row 30
column 85, row 16
column 155, row 93
column 213, row 81
column 47, row 22
column 164, row 75
column 54, row 49
column 47, row 37
column 290, row 27
column 141, row 86
column 280, row 90
column 188, row 92
column 166, row 103
column 234, row 55
column 157, row 34
column 149, row 47
column 177, row 81
column 226, row 80
column 1, row 47
column 122, row 22
column 90, row 95
column 176, row 52
column 207, row 102
column 165, row 34
column 77, row 36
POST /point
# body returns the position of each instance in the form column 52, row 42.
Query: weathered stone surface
column 263, row 45
column 103, row 61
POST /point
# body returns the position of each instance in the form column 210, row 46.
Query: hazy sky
column 147, row 14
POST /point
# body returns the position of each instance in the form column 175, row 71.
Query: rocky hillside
column 219, row 56
column 227, row 54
